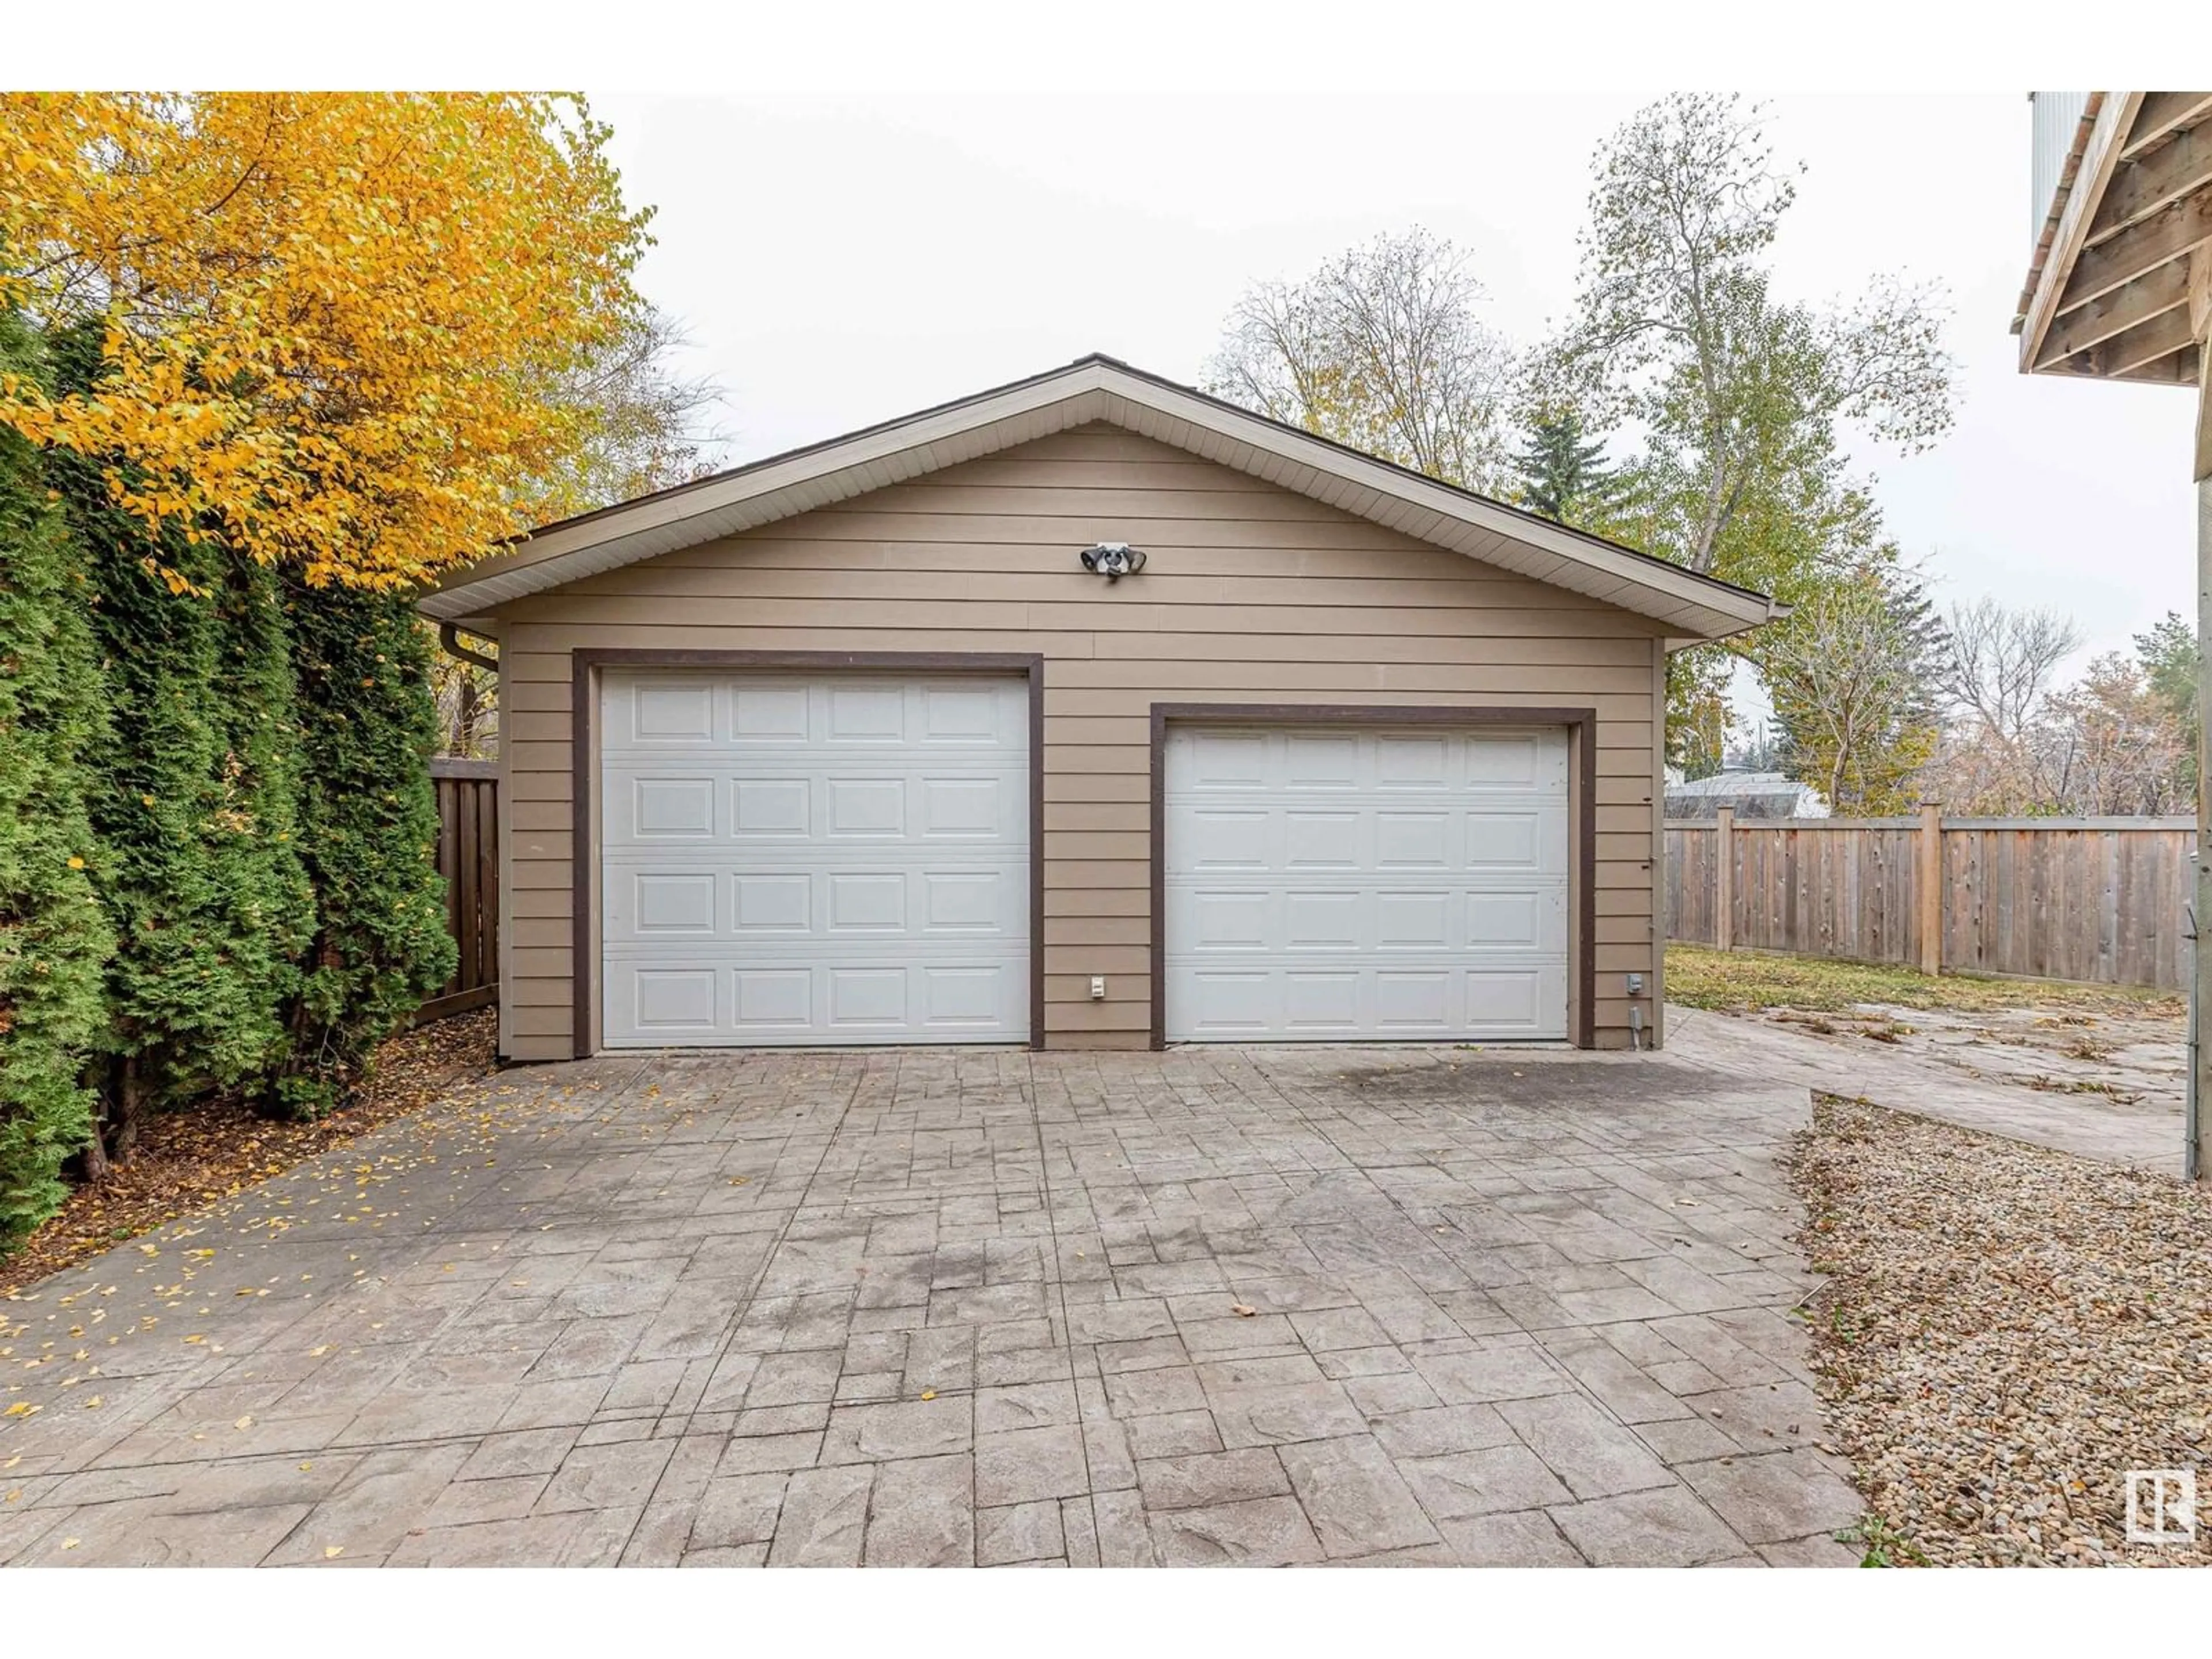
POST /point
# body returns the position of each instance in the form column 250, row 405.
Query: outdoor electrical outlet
column 1636, row 985
column 1097, row 987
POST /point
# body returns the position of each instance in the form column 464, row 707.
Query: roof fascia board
column 1092, row 389
column 474, row 587
column 1428, row 506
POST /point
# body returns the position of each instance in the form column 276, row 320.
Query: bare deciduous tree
column 2115, row 749
column 647, row 426
column 2004, row 660
column 1382, row 349
column 2118, row 742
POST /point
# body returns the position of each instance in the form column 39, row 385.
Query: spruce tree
column 1563, row 476
column 54, row 937
column 2167, row 655
column 369, row 820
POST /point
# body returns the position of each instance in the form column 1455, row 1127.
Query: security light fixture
column 1112, row 560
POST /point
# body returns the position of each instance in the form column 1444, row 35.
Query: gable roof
column 1091, row 389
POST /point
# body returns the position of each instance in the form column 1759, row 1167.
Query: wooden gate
column 468, row 858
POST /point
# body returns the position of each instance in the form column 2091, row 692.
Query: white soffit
column 1098, row 389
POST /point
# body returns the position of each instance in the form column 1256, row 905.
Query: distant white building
column 1753, row 794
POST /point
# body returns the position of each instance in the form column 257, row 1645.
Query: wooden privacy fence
column 2100, row 900
column 468, row 858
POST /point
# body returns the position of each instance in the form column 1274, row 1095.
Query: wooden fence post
column 1930, row 883
column 1724, row 877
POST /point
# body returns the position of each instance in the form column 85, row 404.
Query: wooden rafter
column 2116, row 313
column 2143, row 187
column 2173, row 232
column 2178, row 369
column 2167, row 112
column 2141, row 347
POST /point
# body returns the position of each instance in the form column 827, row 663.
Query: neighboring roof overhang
column 1691, row 607
column 2121, row 283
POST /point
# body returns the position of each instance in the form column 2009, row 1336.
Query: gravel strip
column 2006, row 1331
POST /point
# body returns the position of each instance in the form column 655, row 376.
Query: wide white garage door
column 792, row 858
column 1344, row 885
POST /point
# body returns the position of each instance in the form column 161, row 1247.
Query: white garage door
column 1337, row 885
column 796, row 859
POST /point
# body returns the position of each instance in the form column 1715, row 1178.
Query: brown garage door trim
column 586, row 661
column 1582, row 734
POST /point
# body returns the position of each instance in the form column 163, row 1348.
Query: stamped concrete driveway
column 1290, row 1306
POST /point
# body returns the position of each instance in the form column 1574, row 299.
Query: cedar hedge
column 217, row 828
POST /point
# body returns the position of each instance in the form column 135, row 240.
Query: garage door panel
column 872, row 807
column 862, row 711
column 800, row 860
column 1326, row 1000
column 956, row 808
column 1318, row 920
column 672, row 713
column 1413, row 921
column 1350, row 885
column 763, row 807
column 870, row 901
column 667, row 808
column 1414, row 839
column 671, row 902
column 962, row 716
column 1321, row 840
column 1437, row 1002
column 773, row 999
column 770, row 712
column 771, row 902
column 674, row 999
column 1321, row 760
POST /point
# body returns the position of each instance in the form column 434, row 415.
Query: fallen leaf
column 246, row 1422
column 1242, row 1309
column 929, row 1393
column 331, row 1551
column 21, row 1409
column 72, row 1543
column 304, row 1468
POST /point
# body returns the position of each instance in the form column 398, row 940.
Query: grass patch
column 1740, row 979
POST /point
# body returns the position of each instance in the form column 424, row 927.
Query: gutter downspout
column 449, row 638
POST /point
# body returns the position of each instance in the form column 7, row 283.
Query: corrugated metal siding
column 1251, row 594
column 2054, row 118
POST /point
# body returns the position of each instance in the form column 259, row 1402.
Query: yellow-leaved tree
column 337, row 326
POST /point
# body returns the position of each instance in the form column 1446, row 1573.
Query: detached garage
column 1087, row 712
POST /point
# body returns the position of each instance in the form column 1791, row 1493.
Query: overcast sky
column 840, row 263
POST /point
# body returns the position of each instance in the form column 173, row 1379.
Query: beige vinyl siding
column 1251, row 594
